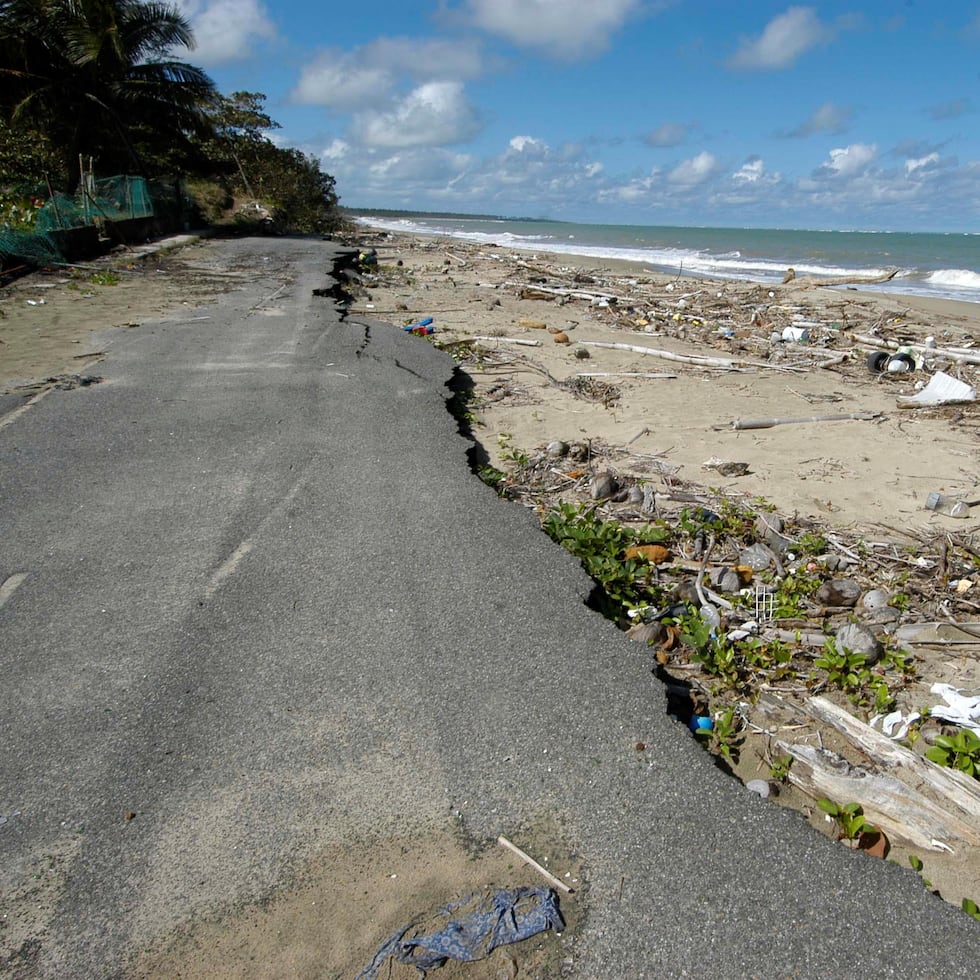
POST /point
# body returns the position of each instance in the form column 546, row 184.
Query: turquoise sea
column 929, row 264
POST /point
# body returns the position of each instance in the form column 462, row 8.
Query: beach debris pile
column 810, row 660
column 775, row 629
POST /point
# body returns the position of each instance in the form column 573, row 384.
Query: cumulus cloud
column 226, row 30
column 433, row 114
column 565, row 28
column 667, row 134
column 690, row 173
column 848, row 161
column 751, row 172
column 783, row 40
column 334, row 81
column 367, row 77
column 829, row 118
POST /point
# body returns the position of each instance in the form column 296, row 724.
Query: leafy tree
column 252, row 166
column 94, row 76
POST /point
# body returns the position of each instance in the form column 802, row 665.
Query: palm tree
column 95, row 76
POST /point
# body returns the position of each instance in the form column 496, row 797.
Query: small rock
column 883, row 616
column 635, row 495
column 603, row 485
column 838, row 592
column 875, row 599
column 727, row 581
column 769, row 529
column 562, row 338
column 757, row 556
column 647, row 633
column 855, row 638
column 578, row 451
column 582, row 353
column 557, row 449
column 759, row 787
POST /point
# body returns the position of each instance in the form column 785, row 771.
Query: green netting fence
column 31, row 222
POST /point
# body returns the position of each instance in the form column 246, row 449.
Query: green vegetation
column 960, row 751
column 92, row 84
column 850, row 819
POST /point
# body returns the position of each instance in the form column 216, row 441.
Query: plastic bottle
column 949, row 506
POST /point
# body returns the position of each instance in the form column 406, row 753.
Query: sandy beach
column 867, row 474
column 581, row 369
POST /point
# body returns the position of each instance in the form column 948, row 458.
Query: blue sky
column 743, row 113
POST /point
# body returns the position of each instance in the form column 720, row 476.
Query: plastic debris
column 896, row 724
column 943, row 389
column 942, row 504
column 421, row 329
column 962, row 710
column 470, row 929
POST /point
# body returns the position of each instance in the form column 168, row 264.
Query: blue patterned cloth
column 470, row 929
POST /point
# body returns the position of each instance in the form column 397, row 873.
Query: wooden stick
column 703, row 361
column 740, row 424
column 511, row 340
column 622, row 374
column 557, row 882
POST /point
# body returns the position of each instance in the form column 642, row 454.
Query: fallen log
column 888, row 803
column 956, row 786
column 807, row 281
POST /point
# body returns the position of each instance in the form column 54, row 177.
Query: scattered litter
column 943, row 389
column 962, row 710
column 469, row 929
column 943, row 504
column 896, row 724
column 725, row 467
column 421, row 329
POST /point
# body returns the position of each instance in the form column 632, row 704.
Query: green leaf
column 829, row 806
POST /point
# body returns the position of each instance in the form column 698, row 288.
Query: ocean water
column 940, row 265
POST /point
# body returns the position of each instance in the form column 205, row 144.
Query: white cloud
column 750, row 172
column 433, row 114
column 695, row 171
column 849, row 161
column 922, row 163
column 667, row 134
column 782, row 41
column 226, row 30
column 565, row 28
column 335, row 82
column 829, row 118
column 337, row 150
column 367, row 77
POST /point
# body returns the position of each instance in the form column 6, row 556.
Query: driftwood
column 622, row 374
column 808, row 281
column 892, row 806
column 740, row 424
column 728, row 363
column 511, row 340
column 957, row 787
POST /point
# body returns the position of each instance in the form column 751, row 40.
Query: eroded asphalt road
column 255, row 603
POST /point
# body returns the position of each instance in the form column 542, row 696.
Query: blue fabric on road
column 470, row 929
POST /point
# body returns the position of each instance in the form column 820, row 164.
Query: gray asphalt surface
column 255, row 597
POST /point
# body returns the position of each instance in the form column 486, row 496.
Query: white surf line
column 8, row 588
column 231, row 563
